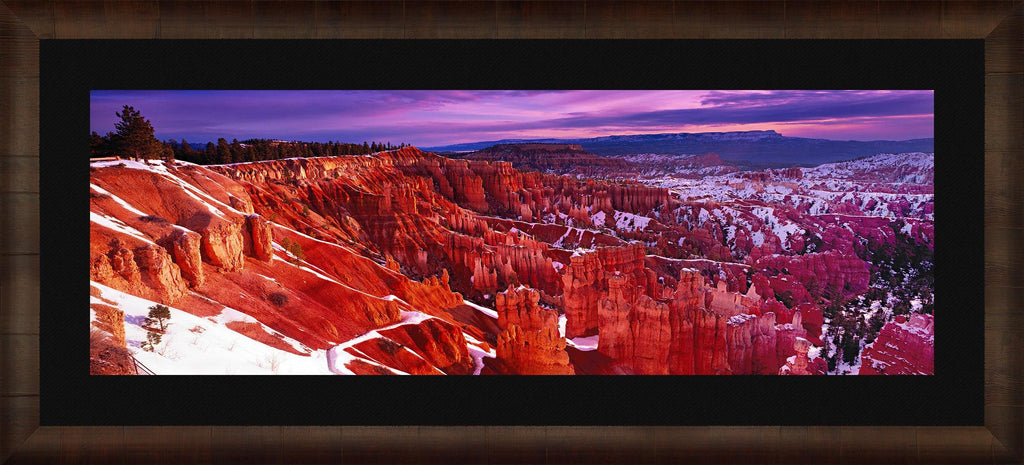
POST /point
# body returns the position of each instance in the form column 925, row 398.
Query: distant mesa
column 758, row 149
column 556, row 158
column 703, row 161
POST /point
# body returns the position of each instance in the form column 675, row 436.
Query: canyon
column 527, row 259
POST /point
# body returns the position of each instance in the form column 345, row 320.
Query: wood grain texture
column 1005, row 45
column 808, row 19
column 19, row 48
column 516, row 445
column 692, row 20
column 92, row 444
column 1006, row 423
column 854, row 20
column 23, row 22
column 284, row 20
column 629, row 20
column 746, row 19
column 963, row 19
column 1003, row 260
column 128, row 19
column 877, row 444
column 312, row 444
column 22, row 414
column 1001, row 307
column 910, row 20
column 600, row 445
column 19, row 174
column 20, row 365
column 160, row 445
column 208, row 19
column 948, row 445
column 35, row 15
column 19, row 299
column 359, row 20
column 404, row 444
column 463, row 444
column 243, row 445
column 808, row 444
column 1004, row 193
column 39, row 449
column 447, row 19
column 19, row 116
column 19, row 228
column 1004, row 377
column 717, row 444
column 1004, row 112
column 541, row 20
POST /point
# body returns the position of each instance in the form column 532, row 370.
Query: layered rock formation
column 581, row 290
column 559, row 158
column 669, row 284
column 189, row 237
column 438, row 342
column 903, row 347
column 530, row 343
column 846, row 273
column 752, row 343
column 184, row 246
column 108, row 353
column 689, row 333
column 634, row 329
column 147, row 271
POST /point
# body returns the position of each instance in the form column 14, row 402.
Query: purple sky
column 433, row 118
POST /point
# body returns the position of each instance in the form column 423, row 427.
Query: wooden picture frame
column 24, row 23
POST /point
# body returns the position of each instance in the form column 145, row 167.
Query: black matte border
column 953, row 68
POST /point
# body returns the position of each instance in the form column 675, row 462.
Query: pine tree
column 295, row 249
column 134, row 136
column 210, row 155
column 223, row 151
column 99, row 146
column 237, row 152
column 158, row 314
column 167, row 152
column 185, row 151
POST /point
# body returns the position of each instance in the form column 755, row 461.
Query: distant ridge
column 756, row 147
column 557, row 158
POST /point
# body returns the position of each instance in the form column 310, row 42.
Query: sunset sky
column 433, row 118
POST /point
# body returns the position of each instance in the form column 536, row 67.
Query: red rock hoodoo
column 530, row 343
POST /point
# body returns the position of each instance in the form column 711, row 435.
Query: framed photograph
column 298, row 251
column 614, row 248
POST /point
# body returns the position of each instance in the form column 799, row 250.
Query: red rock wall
column 829, row 268
column 539, row 352
column 438, row 342
column 581, row 290
column 902, row 348
column 530, row 342
column 258, row 238
column 185, row 247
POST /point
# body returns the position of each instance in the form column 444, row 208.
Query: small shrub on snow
column 152, row 339
column 158, row 314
